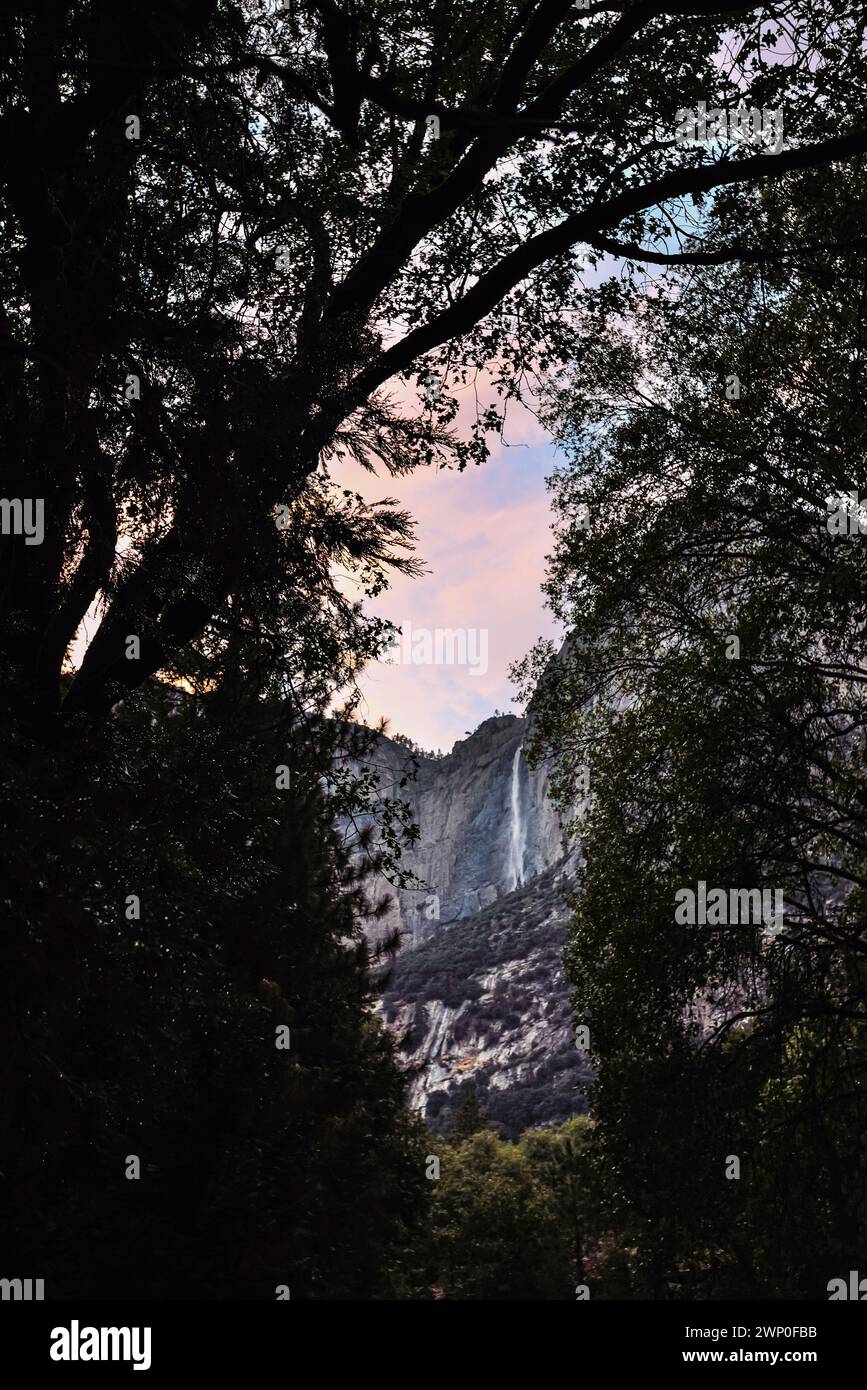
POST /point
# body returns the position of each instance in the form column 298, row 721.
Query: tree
column 188, row 984
column 739, row 764
column 228, row 249
column 469, row 1117
column 513, row 1221
column 227, row 230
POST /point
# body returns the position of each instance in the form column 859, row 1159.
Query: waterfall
column 518, row 828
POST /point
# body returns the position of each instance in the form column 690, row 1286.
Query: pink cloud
column 484, row 535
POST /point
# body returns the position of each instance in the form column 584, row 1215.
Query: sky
column 484, row 535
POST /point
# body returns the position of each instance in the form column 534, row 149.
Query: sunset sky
column 484, row 535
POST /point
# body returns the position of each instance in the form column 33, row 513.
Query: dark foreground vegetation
column 228, row 233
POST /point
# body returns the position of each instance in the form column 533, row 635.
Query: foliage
column 515, row 1221
column 206, row 311
column 227, row 252
column 742, row 767
column 469, row 1117
column 155, row 1034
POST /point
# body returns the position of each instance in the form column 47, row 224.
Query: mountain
column 477, row 996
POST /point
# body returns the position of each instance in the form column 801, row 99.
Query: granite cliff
column 476, row 996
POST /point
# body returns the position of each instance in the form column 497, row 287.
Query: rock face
column 477, row 995
column 486, row 825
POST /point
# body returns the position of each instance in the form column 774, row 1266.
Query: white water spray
column 518, row 829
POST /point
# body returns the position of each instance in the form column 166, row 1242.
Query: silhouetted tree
column 228, row 227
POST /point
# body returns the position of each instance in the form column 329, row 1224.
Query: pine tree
column 469, row 1117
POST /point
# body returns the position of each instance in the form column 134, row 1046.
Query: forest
column 243, row 246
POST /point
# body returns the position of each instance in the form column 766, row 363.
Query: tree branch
column 422, row 212
column 462, row 316
column 631, row 251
